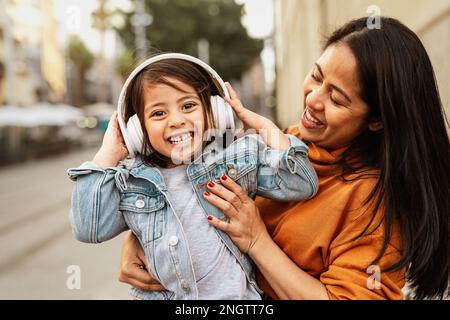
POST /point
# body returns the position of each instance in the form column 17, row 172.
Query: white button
column 184, row 285
column 232, row 173
column 140, row 203
column 173, row 240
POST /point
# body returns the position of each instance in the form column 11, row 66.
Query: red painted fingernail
column 210, row 218
column 211, row 184
column 224, row 178
column 207, row 193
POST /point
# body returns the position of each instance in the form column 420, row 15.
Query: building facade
column 302, row 25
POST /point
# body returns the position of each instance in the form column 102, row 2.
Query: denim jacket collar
column 138, row 169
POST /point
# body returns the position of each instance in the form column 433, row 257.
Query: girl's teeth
column 181, row 139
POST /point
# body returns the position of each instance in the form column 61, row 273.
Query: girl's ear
column 375, row 126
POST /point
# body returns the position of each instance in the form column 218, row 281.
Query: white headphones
column 223, row 115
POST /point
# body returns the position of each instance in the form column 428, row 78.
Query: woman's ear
column 375, row 126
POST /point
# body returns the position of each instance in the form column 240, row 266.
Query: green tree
column 82, row 60
column 2, row 71
column 124, row 64
column 178, row 25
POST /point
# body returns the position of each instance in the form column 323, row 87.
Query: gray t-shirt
column 218, row 273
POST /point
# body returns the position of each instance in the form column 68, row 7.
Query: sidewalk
column 36, row 242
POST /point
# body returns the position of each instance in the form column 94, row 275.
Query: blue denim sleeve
column 94, row 214
column 286, row 175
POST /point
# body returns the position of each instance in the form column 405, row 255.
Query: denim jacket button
column 184, row 285
column 173, row 240
column 140, row 203
column 232, row 173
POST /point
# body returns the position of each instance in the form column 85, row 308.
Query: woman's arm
column 284, row 276
column 248, row 232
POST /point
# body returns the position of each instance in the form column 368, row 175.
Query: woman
column 375, row 127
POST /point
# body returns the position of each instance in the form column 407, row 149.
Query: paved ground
column 36, row 243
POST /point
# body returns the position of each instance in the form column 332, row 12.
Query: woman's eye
column 336, row 102
column 314, row 77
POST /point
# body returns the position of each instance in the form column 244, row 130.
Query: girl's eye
column 189, row 106
column 157, row 114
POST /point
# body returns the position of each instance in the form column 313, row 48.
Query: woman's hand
column 133, row 268
column 250, row 119
column 272, row 135
column 113, row 148
column 244, row 225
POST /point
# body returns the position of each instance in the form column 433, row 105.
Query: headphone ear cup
column 135, row 134
column 215, row 113
column 222, row 114
column 230, row 116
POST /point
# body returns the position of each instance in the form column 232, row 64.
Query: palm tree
column 82, row 60
column 2, row 75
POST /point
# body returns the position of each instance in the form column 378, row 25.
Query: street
column 38, row 251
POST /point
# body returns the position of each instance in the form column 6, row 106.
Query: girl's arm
column 248, row 232
column 113, row 148
column 273, row 137
column 95, row 215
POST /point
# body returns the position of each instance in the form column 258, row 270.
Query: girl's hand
column 133, row 269
column 113, row 148
column 244, row 225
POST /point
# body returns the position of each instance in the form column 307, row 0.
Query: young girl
column 162, row 199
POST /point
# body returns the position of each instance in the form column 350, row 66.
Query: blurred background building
column 301, row 26
column 62, row 65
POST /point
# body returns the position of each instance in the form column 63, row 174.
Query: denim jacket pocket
column 243, row 173
column 144, row 214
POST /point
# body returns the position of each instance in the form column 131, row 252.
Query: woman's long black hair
column 412, row 151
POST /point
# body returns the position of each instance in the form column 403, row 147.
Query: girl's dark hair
column 412, row 151
column 161, row 72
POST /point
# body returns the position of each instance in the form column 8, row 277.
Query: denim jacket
column 106, row 202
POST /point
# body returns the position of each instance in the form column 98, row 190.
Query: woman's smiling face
column 334, row 113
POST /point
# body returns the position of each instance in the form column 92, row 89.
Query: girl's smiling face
column 174, row 120
column 334, row 113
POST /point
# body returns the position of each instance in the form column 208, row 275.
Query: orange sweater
column 317, row 235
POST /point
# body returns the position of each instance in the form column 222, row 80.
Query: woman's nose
column 314, row 100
